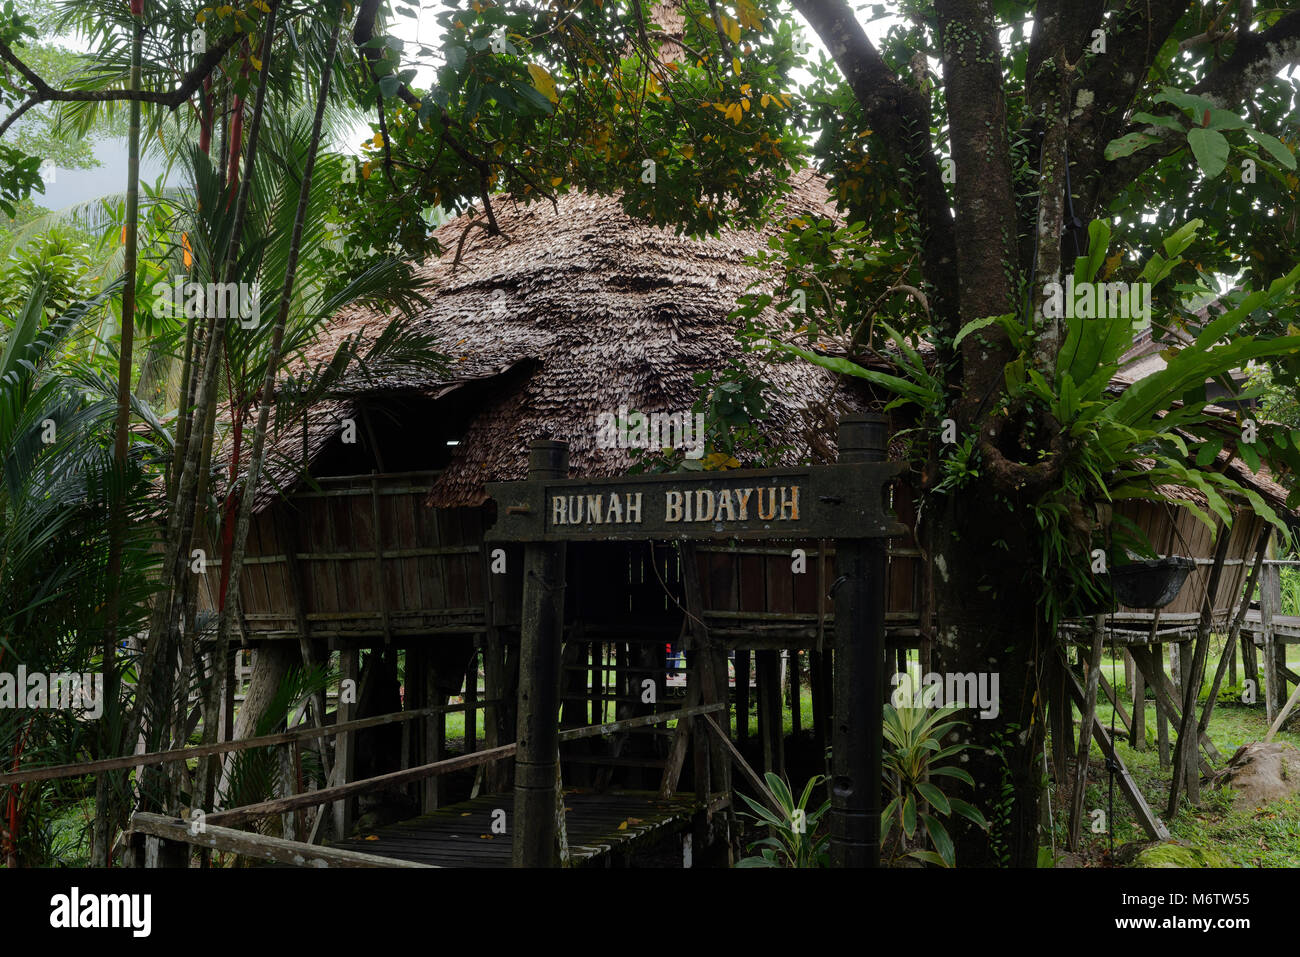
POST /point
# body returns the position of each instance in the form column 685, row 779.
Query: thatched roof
column 590, row 311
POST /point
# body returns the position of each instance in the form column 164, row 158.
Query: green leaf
column 1098, row 241
column 969, row 812
column 934, row 796
column 1210, row 149
column 1168, row 122
column 1275, row 147
column 939, row 836
column 929, row 857
column 1223, row 120
column 1128, row 144
column 1248, row 455
column 909, row 816
column 977, row 324
column 1208, row 451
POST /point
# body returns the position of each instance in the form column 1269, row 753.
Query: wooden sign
column 846, row 500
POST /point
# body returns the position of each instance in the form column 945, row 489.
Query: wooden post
column 345, row 748
column 1270, row 601
column 471, row 704
column 859, row 596
column 433, row 791
column 771, row 726
column 1186, row 764
column 1162, row 720
column 1229, row 656
column 742, row 695
column 796, row 698
column 1062, row 720
column 1137, row 738
column 1089, row 711
column 816, row 686
column 541, row 629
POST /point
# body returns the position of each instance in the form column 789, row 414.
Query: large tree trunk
column 989, row 622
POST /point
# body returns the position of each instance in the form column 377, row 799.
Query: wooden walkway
column 1286, row 628
column 598, row 825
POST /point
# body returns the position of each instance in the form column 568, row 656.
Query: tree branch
column 900, row 116
column 44, row 93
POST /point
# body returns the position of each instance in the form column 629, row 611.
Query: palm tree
column 59, row 490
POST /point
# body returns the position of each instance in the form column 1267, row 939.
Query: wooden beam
column 240, row 814
column 1088, row 709
column 1186, row 767
column 1154, row 827
column 1230, row 646
column 759, row 785
column 1150, row 665
column 260, row 846
column 60, row 771
column 1116, row 702
column 1137, row 737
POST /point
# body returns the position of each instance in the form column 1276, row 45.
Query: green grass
column 1269, row 837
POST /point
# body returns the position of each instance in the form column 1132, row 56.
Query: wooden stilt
column 1229, row 657
column 796, row 703
column 1163, row 689
column 535, row 832
column 1138, row 730
column 1162, row 716
column 1153, row 826
column 1062, row 720
column 345, row 755
column 1270, row 602
column 1186, row 763
column 770, row 725
column 816, row 688
column 742, row 695
column 1089, row 711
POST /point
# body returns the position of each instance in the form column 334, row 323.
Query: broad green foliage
column 57, row 489
column 1204, row 125
column 793, row 840
column 734, row 404
column 916, row 762
column 534, row 100
column 1114, row 446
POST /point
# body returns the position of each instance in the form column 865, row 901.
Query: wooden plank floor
column 460, row 835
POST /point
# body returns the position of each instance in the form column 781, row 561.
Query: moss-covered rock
column 1180, row 855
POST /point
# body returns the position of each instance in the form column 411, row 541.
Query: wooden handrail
column 247, row 844
column 184, row 754
column 324, row 795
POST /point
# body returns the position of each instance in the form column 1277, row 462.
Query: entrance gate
column 845, row 502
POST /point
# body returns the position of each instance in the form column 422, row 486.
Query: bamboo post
column 859, row 596
column 542, row 625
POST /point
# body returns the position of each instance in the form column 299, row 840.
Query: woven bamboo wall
column 365, row 557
